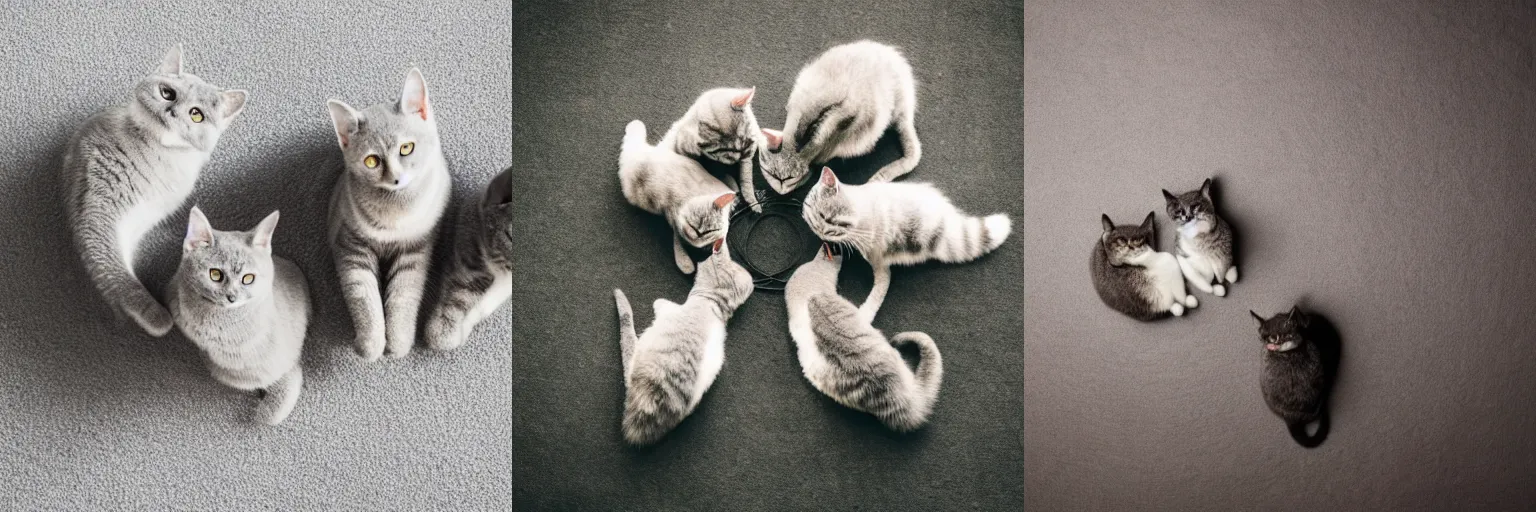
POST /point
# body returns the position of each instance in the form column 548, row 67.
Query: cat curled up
column 384, row 213
column 1204, row 248
column 898, row 224
column 1297, row 374
column 129, row 167
column 841, row 105
column 245, row 309
column 718, row 126
column 849, row 360
column 480, row 278
column 1133, row 278
column 669, row 366
column 660, row 181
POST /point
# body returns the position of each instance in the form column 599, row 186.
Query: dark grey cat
column 480, row 279
column 1297, row 374
column 1204, row 248
column 1132, row 277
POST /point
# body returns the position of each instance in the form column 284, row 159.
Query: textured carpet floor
column 1376, row 159
column 97, row 415
column 762, row 439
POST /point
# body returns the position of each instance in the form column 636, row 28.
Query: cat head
column 703, row 219
column 496, row 210
column 828, row 211
column 1282, row 332
column 1191, row 206
column 720, row 273
column 389, row 145
column 1123, row 243
column 227, row 268
column 721, row 125
column 783, row 168
column 182, row 108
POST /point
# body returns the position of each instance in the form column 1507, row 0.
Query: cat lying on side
column 663, row 182
column 1133, row 278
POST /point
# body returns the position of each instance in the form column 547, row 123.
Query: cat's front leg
column 463, row 288
column 876, row 297
column 748, row 191
column 407, row 282
column 1193, row 275
column 680, row 253
column 357, row 266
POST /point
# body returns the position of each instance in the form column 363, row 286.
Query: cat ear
column 1205, row 188
column 741, row 100
column 1146, row 225
column 1256, row 316
column 826, row 250
column 775, row 139
column 828, row 179
column 261, row 237
column 1297, row 317
column 171, row 63
column 499, row 191
column 413, row 97
column 724, row 199
column 719, row 244
column 232, row 103
column 199, row 232
column 1109, row 225
column 1169, row 196
column 344, row 118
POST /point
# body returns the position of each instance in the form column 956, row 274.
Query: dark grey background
column 762, row 438
column 1376, row 158
column 98, row 415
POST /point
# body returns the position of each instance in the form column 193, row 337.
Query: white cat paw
column 1177, row 309
column 1191, row 302
column 369, row 347
column 399, row 345
column 1232, row 275
column 1219, row 290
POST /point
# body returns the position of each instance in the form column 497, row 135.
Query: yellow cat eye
column 371, row 161
column 216, row 275
column 407, row 148
column 196, row 114
column 248, row 279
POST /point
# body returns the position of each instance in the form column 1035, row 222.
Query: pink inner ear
column 827, row 178
column 423, row 109
column 724, row 199
column 743, row 99
column 718, row 243
column 827, row 249
column 774, row 139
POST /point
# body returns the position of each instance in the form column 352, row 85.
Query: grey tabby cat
column 1297, row 374
column 384, row 213
column 480, row 279
column 661, row 181
column 841, row 105
column 849, row 360
column 1204, row 248
column 719, row 126
column 668, row 367
column 898, row 224
column 246, row 309
column 131, row 166
column 1133, row 278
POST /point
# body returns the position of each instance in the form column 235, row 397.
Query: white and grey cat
column 658, row 180
column 246, row 309
column 841, row 105
column 669, row 366
column 384, row 213
column 718, row 126
column 898, row 224
column 1204, row 248
column 130, row 166
column 849, row 360
column 480, row 278
column 1133, row 278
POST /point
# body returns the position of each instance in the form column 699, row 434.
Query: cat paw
column 1219, row 290
column 1191, row 302
column 1177, row 309
column 1232, row 275
column 443, row 336
column 155, row 320
column 685, row 265
column 369, row 347
column 399, row 345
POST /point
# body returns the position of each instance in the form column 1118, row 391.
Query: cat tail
column 1299, row 431
column 634, row 137
column 281, row 397
column 626, row 329
column 651, row 408
column 117, row 284
column 930, row 372
column 967, row 238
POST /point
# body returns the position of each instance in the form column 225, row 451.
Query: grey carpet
column 98, row 415
column 1376, row 158
column 762, row 439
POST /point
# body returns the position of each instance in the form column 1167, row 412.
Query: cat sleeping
column 841, row 105
column 1133, row 278
column 663, row 182
column 246, row 309
column 669, row 366
column 898, row 224
column 130, row 166
column 719, row 126
column 849, row 360
column 1204, row 248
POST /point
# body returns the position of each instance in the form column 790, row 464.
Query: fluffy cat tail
column 1299, row 432
column 651, row 409
column 280, row 397
column 929, row 374
column 634, row 137
column 998, row 226
column 626, row 328
column 117, row 284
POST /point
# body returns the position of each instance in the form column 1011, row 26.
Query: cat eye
column 167, row 93
column 371, row 161
column 248, row 278
column 407, row 148
column 216, row 275
column 196, row 114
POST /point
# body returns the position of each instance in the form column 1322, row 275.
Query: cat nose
column 231, row 298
